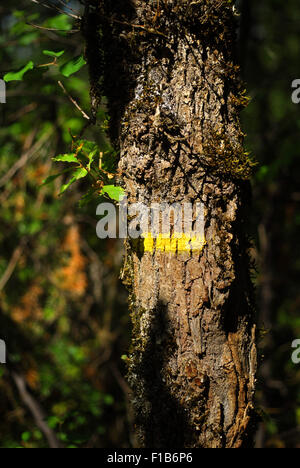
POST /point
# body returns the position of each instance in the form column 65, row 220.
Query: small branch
column 62, row 2
column 51, row 64
column 72, row 31
column 36, row 411
column 73, row 101
column 21, row 112
column 11, row 266
column 23, row 159
column 55, row 7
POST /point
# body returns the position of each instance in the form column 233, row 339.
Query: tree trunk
column 174, row 97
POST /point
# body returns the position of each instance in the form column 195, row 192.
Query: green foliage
column 51, row 53
column 92, row 163
column 19, row 75
column 67, row 69
column 115, row 193
column 60, row 311
column 62, row 23
column 84, row 155
column 72, row 66
column 78, row 174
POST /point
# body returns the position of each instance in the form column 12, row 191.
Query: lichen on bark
column 174, row 98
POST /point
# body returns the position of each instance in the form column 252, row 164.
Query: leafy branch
column 87, row 161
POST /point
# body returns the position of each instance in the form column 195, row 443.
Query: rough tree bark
column 174, row 97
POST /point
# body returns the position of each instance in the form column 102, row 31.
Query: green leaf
column 62, row 22
column 26, row 436
column 87, row 146
column 54, row 177
column 91, row 158
column 28, row 38
column 108, row 400
column 79, row 174
column 263, row 173
column 69, row 158
column 72, row 66
column 115, row 193
column 51, row 53
column 18, row 76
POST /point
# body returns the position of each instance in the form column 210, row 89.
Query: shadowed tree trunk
column 174, row 98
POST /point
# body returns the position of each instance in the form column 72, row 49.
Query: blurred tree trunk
column 174, row 97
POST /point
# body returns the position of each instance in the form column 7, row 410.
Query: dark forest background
column 63, row 311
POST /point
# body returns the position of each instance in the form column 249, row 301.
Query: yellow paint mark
column 183, row 243
column 198, row 243
column 161, row 242
column 171, row 244
column 149, row 243
column 174, row 243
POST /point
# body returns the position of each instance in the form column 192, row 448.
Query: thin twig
column 55, row 7
column 21, row 112
column 36, row 411
column 23, row 160
column 72, row 31
column 67, row 6
column 73, row 101
column 11, row 266
column 51, row 64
